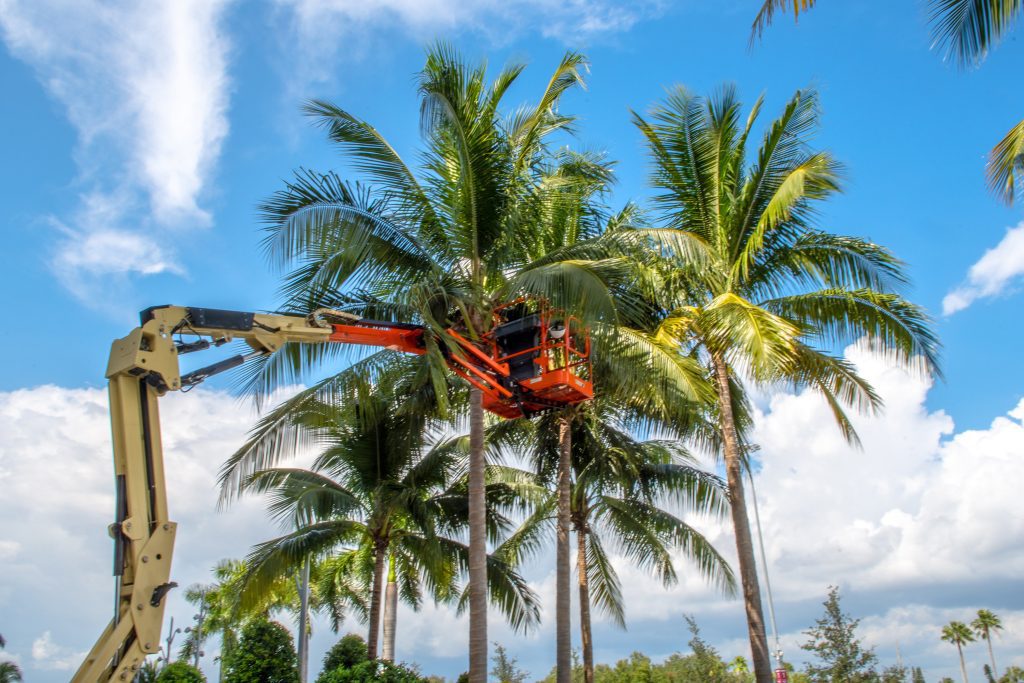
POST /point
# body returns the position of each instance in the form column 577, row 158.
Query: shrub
column 348, row 652
column 264, row 654
column 180, row 672
column 369, row 671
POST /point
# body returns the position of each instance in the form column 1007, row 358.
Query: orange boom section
column 533, row 358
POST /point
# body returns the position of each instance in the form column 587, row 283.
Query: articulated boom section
column 530, row 361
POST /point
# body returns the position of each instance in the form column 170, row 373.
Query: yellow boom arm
column 142, row 367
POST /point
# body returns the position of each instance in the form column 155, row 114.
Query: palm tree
column 758, row 291
column 441, row 248
column 986, row 624
column 965, row 30
column 956, row 632
column 617, row 491
column 9, row 671
column 374, row 493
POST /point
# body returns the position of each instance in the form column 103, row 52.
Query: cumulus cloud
column 916, row 522
column 998, row 269
column 915, row 528
column 47, row 654
column 146, row 88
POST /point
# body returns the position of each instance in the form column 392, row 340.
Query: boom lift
column 533, row 359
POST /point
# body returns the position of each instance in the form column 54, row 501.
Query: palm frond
column 767, row 13
column 965, row 30
column 1006, row 164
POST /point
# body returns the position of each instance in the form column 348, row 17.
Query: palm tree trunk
column 991, row 656
column 379, row 555
column 741, row 526
column 563, row 571
column 303, row 639
column 586, row 640
column 477, row 542
column 963, row 666
column 390, row 613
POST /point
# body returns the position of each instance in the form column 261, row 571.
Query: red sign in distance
column 781, row 676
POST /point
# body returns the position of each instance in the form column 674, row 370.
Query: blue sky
column 138, row 142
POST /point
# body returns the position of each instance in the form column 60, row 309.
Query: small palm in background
column 9, row 671
column 985, row 625
column 957, row 633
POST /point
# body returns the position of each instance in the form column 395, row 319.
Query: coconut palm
column 959, row 634
column 440, row 247
column 9, row 671
column 985, row 625
column 964, row 30
column 618, row 493
column 759, row 292
column 375, row 493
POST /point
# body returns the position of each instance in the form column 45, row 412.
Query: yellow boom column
column 142, row 367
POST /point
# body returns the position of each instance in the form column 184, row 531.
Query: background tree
column 265, row 654
column 9, row 671
column 346, row 653
column 505, row 668
column 754, row 289
column 957, row 633
column 985, row 625
column 376, row 491
column 180, row 672
column 833, row 641
column 917, row 676
column 894, row 674
column 624, row 496
column 1013, row 674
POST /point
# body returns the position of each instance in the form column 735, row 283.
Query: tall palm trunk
column 390, row 612
column 477, row 542
column 586, row 639
column 991, row 656
column 741, row 525
column 303, row 639
column 379, row 556
column 563, row 570
column 963, row 666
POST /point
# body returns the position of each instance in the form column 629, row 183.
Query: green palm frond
column 893, row 325
column 1006, row 164
column 603, row 580
column 965, row 30
column 744, row 332
column 767, row 13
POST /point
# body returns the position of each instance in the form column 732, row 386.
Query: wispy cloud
column 146, row 87
column 321, row 30
column 997, row 270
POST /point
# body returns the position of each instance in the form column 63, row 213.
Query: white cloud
column 47, row 654
column 999, row 268
column 146, row 88
column 917, row 529
column 323, row 30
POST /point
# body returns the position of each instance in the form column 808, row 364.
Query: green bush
column 348, row 652
column 264, row 654
column 180, row 672
column 370, row 671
